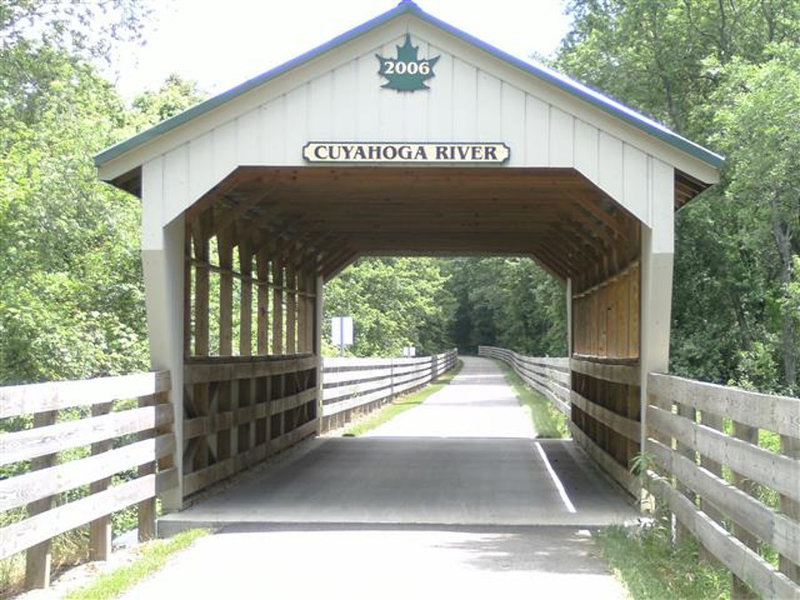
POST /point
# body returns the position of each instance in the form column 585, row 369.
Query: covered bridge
column 403, row 136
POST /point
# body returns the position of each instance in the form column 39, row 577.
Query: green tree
column 71, row 294
column 394, row 302
column 715, row 71
column 508, row 302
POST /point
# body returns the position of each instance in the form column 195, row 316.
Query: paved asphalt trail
column 453, row 499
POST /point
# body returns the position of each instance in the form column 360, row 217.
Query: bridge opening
column 258, row 247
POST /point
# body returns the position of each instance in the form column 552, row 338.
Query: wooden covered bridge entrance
column 402, row 136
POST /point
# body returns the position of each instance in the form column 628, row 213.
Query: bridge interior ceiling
column 323, row 218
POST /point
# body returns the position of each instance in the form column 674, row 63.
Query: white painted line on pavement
column 556, row 481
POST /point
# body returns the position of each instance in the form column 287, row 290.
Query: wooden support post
column 201, row 273
column 739, row 589
column 100, row 529
column 291, row 310
column 681, row 532
column 164, row 253
column 302, row 315
column 714, row 422
column 247, row 431
column 187, row 293
column 225, row 249
column 200, row 393
column 38, row 557
column 224, row 439
column 146, row 510
column 277, row 308
column 262, row 269
column 319, row 284
column 791, row 508
column 246, row 304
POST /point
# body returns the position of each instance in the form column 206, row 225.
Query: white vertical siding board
column 586, row 150
column 537, row 132
column 610, row 173
column 273, row 126
column 489, row 107
column 367, row 89
column 224, row 150
column 562, row 138
column 321, row 113
column 344, row 102
column 296, row 132
column 441, row 97
column 201, row 158
column 153, row 204
column 513, row 123
column 465, row 101
column 248, row 138
column 635, row 194
column 662, row 193
column 176, row 183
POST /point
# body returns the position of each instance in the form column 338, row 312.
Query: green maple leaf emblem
column 407, row 72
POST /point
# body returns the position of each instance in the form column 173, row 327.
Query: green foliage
column 437, row 303
column 732, row 85
column 394, row 302
column 508, row 302
column 71, row 294
column 660, row 570
column 152, row 557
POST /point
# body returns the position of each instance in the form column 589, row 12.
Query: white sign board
column 410, row 351
column 342, row 331
column 402, row 152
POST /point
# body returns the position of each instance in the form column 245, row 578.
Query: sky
column 221, row 43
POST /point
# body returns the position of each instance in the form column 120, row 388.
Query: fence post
column 38, row 557
column 687, row 412
column 714, row 422
column 391, row 378
column 790, row 447
column 100, row 529
column 147, row 508
column 739, row 589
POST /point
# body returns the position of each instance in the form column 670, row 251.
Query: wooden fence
column 358, row 385
column 122, row 424
column 550, row 376
column 720, row 455
column 726, row 462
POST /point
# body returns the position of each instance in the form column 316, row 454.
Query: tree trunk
column 783, row 240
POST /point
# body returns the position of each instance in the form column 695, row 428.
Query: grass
column 548, row 422
column 401, row 404
column 153, row 556
column 652, row 568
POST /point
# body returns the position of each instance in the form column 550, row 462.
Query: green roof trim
column 579, row 90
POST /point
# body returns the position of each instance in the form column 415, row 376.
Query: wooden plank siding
column 97, row 416
column 690, row 416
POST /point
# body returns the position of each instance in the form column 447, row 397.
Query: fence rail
column 550, row 376
column 352, row 385
column 696, row 433
column 127, row 424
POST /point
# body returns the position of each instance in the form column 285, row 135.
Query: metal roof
column 406, row 7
